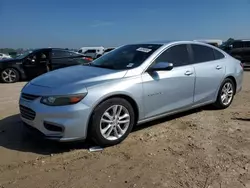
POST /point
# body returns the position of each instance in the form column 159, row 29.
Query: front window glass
column 178, row 55
column 90, row 51
column 126, row 57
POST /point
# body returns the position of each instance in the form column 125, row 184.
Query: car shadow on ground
column 13, row 136
column 169, row 118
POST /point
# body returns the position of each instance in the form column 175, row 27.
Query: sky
column 78, row 23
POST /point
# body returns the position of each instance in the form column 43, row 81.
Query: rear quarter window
column 218, row 55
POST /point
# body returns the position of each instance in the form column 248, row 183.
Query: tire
column 96, row 124
column 13, row 77
column 220, row 104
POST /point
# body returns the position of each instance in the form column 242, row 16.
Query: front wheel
column 10, row 75
column 225, row 94
column 111, row 122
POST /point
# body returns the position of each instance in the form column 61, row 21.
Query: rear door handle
column 188, row 73
column 218, row 67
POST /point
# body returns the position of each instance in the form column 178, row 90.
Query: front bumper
column 72, row 119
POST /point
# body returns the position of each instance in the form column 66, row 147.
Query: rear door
column 209, row 69
column 61, row 59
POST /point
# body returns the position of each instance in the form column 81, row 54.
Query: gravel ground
column 203, row 148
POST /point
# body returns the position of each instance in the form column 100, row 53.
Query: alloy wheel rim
column 227, row 93
column 114, row 122
column 8, row 75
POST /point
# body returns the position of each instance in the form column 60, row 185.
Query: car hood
column 10, row 60
column 77, row 75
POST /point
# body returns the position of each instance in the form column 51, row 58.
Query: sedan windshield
column 126, row 57
column 25, row 54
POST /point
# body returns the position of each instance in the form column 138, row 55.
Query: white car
column 4, row 56
column 107, row 50
column 93, row 52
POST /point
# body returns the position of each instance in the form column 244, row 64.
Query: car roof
column 167, row 42
column 242, row 40
column 38, row 49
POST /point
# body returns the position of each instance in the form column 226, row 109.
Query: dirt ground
column 202, row 148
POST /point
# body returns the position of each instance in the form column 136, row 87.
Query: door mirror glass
column 161, row 66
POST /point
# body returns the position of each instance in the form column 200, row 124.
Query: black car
column 239, row 49
column 34, row 63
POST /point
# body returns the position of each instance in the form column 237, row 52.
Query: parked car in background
column 93, row 52
column 4, row 56
column 34, row 63
column 13, row 54
column 134, row 84
column 107, row 50
column 213, row 42
column 240, row 49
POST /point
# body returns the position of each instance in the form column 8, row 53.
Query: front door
column 36, row 63
column 166, row 91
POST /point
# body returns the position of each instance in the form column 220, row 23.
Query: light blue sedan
column 132, row 84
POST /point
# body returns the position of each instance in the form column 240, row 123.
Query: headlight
column 62, row 100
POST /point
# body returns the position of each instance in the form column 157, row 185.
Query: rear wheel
column 10, row 75
column 111, row 122
column 226, row 94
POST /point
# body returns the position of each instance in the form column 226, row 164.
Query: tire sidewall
column 16, row 73
column 96, row 118
column 219, row 101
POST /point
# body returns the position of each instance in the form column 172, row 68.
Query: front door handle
column 188, row 73
column 218, row 67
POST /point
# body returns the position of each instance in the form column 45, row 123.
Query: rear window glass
column 202, row 53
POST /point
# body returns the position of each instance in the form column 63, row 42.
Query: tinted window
column 1, row 54
column 126, row 57
column 90, row 51
column 108, row 50
column 202, row 53
column 247, row 44
column 60, row 53
column 218, row 55
column 178, row 55
column 238, row 44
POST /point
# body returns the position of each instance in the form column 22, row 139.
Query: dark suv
column 240, row 49
column 34, row 63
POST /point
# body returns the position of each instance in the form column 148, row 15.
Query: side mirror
column 161, row 66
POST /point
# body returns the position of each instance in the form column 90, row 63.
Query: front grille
column 27, row 113
column 29, row 96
